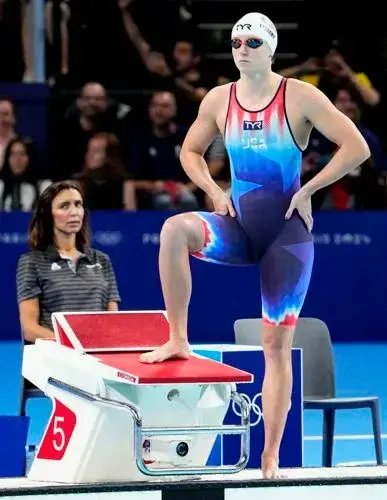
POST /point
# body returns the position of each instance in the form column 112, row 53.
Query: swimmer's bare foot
column 270, row 469
column 169, row 350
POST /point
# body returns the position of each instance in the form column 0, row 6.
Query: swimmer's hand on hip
column 222, row 203
column 302, row 202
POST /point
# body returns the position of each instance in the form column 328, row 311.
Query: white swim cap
column 259, row 25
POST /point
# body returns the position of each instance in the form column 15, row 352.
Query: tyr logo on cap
column 243, row 26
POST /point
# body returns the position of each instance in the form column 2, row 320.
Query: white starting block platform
column 115, row 419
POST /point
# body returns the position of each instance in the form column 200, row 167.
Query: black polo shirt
column 62, row 286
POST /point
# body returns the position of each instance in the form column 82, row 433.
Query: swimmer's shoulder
column 300, row 90
column 214, row 99
column 220, row 91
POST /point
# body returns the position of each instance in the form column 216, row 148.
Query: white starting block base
column 356, row 483
column 115, row 419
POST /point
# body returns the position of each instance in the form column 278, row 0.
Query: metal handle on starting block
column 141, row 432
column 243, row 430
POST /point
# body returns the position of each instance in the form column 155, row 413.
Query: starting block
column 116, row 419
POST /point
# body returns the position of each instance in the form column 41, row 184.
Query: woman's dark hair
column 41, row 229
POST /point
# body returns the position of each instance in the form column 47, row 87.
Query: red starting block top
column 111, row 331
column 117, row 339
column 195, row 370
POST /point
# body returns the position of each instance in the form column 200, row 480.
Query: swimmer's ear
column 273, row 59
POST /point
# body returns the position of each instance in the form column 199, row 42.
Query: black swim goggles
column 252, row 43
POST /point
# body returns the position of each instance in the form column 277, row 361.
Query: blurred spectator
column 185, row 65
column 191, row 82
column 360, row 188
column 176, row 69
column 124, row 58
column 153, row 60
column 332, row 72
column 346, row 102
column 7, row 125
column 152, row 17
column 105, row 182
column 171, row 58
column 142, row 20
column 19, row 186
column 160, row 180
column 92, row 112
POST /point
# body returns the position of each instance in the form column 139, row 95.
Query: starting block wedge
column 116, row 419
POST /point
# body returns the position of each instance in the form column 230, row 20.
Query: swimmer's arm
column 198, row 139
column 29, row 319
column 329, row 121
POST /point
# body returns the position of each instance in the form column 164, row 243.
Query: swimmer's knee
column 186, row 226
column 277, row 340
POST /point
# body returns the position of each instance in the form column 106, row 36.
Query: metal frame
column 140, row 433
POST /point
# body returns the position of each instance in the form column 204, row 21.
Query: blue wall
column 348, row 288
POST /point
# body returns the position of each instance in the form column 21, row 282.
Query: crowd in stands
column 127, row 97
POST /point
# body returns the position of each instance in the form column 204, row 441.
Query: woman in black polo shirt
column 61, row 272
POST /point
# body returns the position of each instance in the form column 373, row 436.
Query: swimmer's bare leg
column 276, row 393
column 179, row 236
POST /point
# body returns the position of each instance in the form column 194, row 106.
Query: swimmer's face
column 248, row 59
